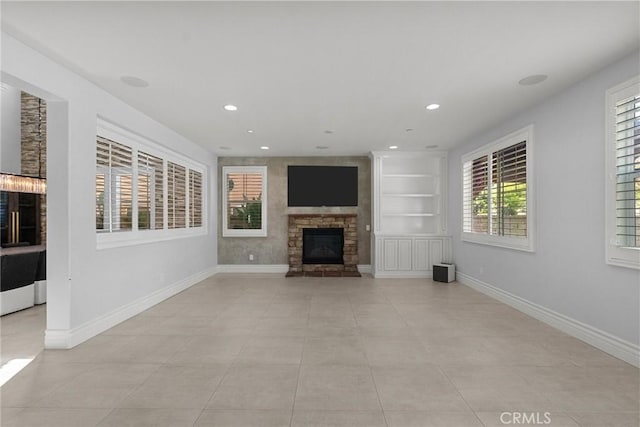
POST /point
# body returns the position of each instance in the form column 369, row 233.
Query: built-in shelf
column 409, row 200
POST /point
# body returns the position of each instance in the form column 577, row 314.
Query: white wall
column 10, row 130
column 567, row 273
column 89, row 289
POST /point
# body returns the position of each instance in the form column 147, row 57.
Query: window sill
column 244, row 233
column 133, row 238
column 624, row 257
column 518, row 244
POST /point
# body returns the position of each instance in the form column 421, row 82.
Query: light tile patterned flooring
column 262, row 350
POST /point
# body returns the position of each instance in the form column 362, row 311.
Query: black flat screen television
column 322, row 185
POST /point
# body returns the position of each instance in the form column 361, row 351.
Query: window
column 623, row 174
column 244, row 201
column 143, row 192
column 497, row 195
column 114, row 186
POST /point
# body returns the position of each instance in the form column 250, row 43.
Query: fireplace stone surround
column 348, row 222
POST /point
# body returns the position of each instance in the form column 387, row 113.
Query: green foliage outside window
column 247, row 216
column 513, row 200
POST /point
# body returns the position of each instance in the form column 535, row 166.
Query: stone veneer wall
column 298, row 222
column 33, row 142
column 273, row 249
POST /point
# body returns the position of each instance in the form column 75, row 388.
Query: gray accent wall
column 273, row 248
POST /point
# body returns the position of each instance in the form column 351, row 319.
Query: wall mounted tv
column 323, row 185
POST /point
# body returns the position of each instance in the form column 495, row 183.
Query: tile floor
column 262, row 350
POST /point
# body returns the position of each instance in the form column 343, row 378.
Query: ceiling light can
column 134, row 81
column 532, row 80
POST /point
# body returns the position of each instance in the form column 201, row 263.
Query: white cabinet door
column 421, row 255
column 390, row 256
column 404, row 254
column 436, row 251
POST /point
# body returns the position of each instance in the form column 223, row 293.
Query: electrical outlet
column 367, row 227
column 250, row 257
column 481, row 270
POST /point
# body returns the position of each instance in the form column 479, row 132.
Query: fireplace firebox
column 322, row 246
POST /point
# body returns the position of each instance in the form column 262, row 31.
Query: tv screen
column 323, row 185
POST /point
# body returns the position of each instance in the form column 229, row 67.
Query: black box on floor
column 444, row 272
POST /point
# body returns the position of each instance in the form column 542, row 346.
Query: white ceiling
column 364, row 71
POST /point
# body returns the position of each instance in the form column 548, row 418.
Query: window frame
column 136, row 236
column 231, row 232
column 509, row 242
column 620, row 256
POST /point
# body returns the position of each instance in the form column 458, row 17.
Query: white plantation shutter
column 195, row 199
column 627, row 147
column 476, row 178
column 176, row 195
column 509, row 187
column 102, row 198
column 150, row 192
column 114, row 186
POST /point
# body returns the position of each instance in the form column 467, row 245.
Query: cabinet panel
column 421, row 255
column 435, row 252
column 408, row 256
column 404, row 254
column 390, row 250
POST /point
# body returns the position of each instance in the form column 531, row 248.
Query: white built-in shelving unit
column 409, row 201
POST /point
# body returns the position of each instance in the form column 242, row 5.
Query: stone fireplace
column 314, row 241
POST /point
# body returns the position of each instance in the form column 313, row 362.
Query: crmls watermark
column 522, row 418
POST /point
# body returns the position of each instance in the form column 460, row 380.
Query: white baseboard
column 605, row 341
column 253, row 268
column 68, row 338
column 403, row 275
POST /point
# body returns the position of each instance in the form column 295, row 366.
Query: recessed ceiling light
column 250, row 131
column 322, row 147
column 431, row 146
column 533, row 80
column 393, row 147
column 230, row 107
column 134, row 81
column 432, row 106
column 264, row 147
column 225, row 148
